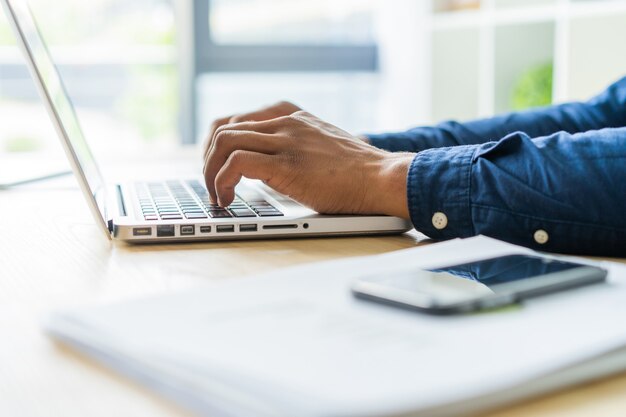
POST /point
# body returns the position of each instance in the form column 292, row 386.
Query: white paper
column 296, row 342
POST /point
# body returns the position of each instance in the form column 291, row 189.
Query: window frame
column 199, row 54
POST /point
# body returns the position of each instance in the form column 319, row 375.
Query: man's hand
column 282, row 108
column 311, row 161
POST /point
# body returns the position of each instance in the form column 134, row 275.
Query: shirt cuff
column 439, row 194
column 387, row 142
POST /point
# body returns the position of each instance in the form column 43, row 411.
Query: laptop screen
column 58, row 104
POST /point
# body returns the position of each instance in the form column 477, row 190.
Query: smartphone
column 478, row 285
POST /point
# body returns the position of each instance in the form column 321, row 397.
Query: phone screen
column 459, row 283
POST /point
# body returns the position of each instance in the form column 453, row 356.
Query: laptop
column 177, row 209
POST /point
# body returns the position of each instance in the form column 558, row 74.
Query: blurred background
column 153, row 74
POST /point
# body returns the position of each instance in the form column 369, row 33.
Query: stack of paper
column 296, row 342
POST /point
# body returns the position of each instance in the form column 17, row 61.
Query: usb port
column 248, row 228
column 187, row 230
column 142, row 231
column 166, row 230
column 205, row 229
column 225, row 228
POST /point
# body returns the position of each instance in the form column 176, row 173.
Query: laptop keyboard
column 178, row 200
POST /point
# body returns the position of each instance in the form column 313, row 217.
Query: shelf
column 449, row 6
column 589, row 8
column 537, row 11
column 508, row 16
column 518, row 4
column 479, row 55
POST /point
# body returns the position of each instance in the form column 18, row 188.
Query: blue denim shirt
column 552, row 179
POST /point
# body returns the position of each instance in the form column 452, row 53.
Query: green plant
column 533, row 88
column 21, row 144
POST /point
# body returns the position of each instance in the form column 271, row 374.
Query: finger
column 251, row 121
column 257, row 116
column 263, row 126
column 229, row 141
column 214, row 126
column 240, row 164
column 282, row 108
column 219, row 127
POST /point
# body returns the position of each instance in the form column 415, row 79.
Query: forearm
column 608, row 109
column 560, row 193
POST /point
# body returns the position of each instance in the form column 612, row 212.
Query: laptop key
column 219, row 214
column 270, row 213
column 261, row 206
column 171, row 216
column 243, row 213
column 257, row 209
column 195, row 215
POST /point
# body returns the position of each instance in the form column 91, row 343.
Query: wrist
column 391, row 191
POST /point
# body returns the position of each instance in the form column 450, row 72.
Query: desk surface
column 52, row 256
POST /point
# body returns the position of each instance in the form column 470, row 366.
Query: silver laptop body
column 176, row 210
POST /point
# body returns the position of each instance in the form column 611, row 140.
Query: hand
column 311, row 161
column 282, row 108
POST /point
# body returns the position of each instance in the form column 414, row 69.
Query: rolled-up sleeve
column 560, row 193
column 607, row 109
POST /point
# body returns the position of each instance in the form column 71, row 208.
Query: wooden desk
column 52, row 257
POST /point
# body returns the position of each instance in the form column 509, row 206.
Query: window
column 248, row 53
column 292, row 22
column 285, row 35
column 117, row 59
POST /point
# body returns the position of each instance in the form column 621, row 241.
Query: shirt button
column 541, row 236
column 440, row 220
